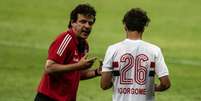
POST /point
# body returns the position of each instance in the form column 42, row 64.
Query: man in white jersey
column 130, row 65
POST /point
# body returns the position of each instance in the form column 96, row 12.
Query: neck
column 134, row 35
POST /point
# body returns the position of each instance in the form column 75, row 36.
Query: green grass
column 28, row 27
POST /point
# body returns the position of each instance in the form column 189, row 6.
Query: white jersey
column 136, row 62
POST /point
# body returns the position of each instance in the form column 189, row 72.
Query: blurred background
column 27, row 28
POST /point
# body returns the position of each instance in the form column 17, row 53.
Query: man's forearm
column 87, row 74
column 53, row 68
column 106, row 80
column 160, row 88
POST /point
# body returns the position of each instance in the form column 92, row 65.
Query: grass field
column 27, row 27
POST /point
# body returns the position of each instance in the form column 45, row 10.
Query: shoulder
column 113, row 49
column 115, row 46
column 151, row 46
column 64, row 36
column 62, row 41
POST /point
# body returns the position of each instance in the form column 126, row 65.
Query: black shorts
column 42, row 97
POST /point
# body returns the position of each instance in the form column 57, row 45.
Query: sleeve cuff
column 163, row 74
column 106, row 69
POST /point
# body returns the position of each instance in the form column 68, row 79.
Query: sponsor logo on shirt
column 76, row 56
column 75, row 59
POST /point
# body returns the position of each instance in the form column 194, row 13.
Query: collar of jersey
column 129, row 40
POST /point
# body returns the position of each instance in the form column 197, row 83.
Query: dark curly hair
column 84, row 9
column 136, row 19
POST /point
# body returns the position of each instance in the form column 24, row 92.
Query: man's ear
column 72, row 23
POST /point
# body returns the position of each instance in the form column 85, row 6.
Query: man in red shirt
column 67, row 62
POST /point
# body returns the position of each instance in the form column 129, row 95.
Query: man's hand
column 85, row 63
column 87, row 74
column 99, row 69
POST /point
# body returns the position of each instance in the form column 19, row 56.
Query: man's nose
column 87, row 25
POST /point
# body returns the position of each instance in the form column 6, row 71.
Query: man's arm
column 164, row 84
column 87, row 74
column 106, row 80
column 53, row 67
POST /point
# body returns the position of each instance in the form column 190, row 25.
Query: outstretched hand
column 86, row 63
column 99, row 69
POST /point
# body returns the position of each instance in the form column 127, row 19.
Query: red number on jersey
column 128, row 59
column 133, row 63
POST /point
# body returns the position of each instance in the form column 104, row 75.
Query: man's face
column 82, row 27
